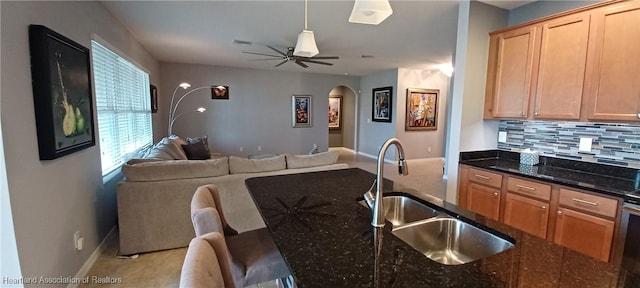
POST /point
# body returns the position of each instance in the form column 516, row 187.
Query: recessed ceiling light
column 241, row 42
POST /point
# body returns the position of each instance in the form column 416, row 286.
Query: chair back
column 206, row 263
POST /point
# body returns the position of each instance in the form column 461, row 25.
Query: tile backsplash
column 613, row 143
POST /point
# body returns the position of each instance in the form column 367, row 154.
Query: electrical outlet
column 259, row 148
column 502, row 136
column 585, row 144
column 76, row 237
column 429, row 149
column 241, row 148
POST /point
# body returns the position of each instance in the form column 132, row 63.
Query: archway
column 342, row 124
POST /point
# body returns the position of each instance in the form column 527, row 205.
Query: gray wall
column 258, row 112
column 52, row 199
column 541, row 9
column 371, row 135
column 429, row 143
column 475, row 21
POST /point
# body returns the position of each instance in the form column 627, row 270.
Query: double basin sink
column 438, row 235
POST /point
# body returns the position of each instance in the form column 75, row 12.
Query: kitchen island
column 326, row 238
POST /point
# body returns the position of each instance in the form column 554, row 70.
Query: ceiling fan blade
column 301, row 64
column 316, row 62
column 325, row 57
column 264, row 59
column 285, row 61
column 252, row 53
column 279, row 52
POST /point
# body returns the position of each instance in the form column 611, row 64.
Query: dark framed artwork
column 301, row 111
column 220, row 92
column 422, row 109
column 61, row 93
column 154, row 99
column 335, row 112
column 382, row 99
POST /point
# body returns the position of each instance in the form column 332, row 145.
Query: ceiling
column 419, row 34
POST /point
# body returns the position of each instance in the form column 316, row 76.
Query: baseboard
column 375, row 157
column 92, row 259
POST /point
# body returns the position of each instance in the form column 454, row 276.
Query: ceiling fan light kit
column 370, row 11
column 306, row 45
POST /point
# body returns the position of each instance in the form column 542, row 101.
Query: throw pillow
column 197, row 150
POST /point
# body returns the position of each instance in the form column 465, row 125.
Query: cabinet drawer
column 486, row 178
column 529, row 188
column 587, row 202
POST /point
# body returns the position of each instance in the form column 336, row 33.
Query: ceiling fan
column 288, row 56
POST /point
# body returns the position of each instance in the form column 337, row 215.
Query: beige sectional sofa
column 154, row 199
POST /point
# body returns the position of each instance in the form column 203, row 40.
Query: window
column 124, row 107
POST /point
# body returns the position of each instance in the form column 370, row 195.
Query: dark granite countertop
column 325, row 237
column 604, row 179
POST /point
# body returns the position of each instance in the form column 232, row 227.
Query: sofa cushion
column 175, row 169
column 197, row 150
column 168, row 149
column 244, row 165
column 319, row 159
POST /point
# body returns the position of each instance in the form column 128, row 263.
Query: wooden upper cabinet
column 509, row 74
column 612, row 86
column 560, row 68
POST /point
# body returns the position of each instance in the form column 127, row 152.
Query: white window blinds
column 123, row 105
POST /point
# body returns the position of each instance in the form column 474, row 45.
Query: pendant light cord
column 305, row 14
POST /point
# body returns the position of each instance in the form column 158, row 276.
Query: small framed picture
column 381, row 109
column 154, row 99
column 301, row 110
column 335, row 112
column 422, row 109
column 220, row 92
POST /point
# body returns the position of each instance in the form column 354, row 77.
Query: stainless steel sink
column 400, row 210
column 450, row 241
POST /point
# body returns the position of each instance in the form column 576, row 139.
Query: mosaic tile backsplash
column 613, row 143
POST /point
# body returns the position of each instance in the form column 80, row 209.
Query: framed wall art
column 61, row 93
column 335, row 112
column 301, row 110
column 422, row 109
column 220, row 92
column 382, row 99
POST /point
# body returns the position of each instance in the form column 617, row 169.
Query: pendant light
column 306, row 45
column 370, row 11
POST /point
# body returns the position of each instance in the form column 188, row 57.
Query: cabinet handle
column 522, row 114
column 495, row 193
column 580, row 201
column 638, row 115
column 482, row 177
column 525, row 187
column 559, row 213
column 536, row 114
column 545, row 208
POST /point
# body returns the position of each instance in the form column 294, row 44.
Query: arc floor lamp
column 173, row 108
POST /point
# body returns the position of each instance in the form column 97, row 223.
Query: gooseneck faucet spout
column 378, row 207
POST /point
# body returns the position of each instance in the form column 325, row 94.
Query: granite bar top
column 605, row 179
column 325, row 237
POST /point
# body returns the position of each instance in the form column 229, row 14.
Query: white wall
column 52, row 199
column 475, row 21
column 416, row 144
column 371, row 135
column 258, row 112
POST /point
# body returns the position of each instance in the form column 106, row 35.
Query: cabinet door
column 509, row 77
column 484, row 200
column 612, row 86
column 584, row 233
column 561, row 68
column 526, row 214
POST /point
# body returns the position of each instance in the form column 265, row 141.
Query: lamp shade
column 370, row 11
column 306, row 45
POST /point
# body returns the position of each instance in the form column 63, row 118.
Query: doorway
column 342, row 118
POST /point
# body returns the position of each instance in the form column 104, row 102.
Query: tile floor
column 162, row 268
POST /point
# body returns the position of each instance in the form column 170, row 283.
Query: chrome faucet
column 374, row 201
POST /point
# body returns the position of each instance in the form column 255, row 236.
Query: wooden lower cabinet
column 526, row 214
column 484, row 200
column 584, row 233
